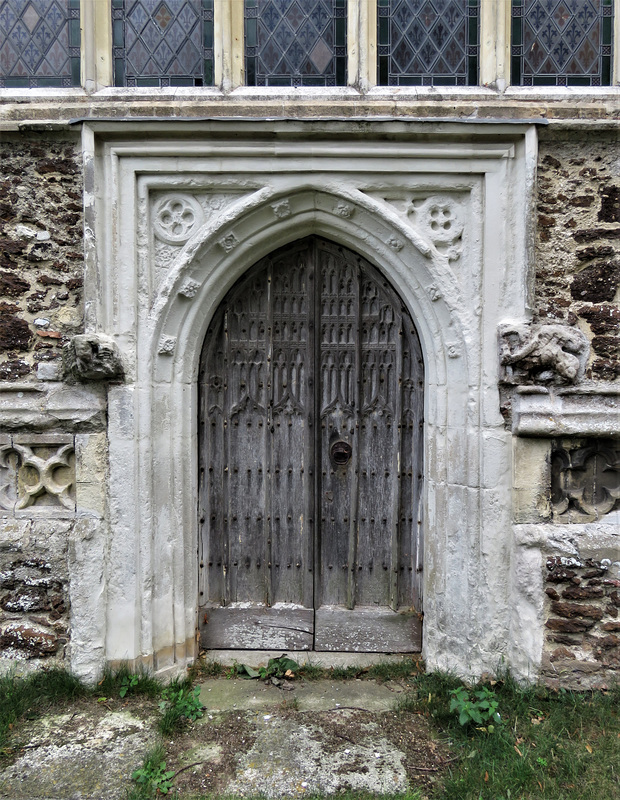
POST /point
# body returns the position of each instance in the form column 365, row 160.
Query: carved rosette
column 438, row 220
column 548, row 354
column 281, row 209
column 228, row 242
column 585, row 481
column 189, row 288
column 176, row 217
column 166, row 345
column 344, row 210
column 38, row 474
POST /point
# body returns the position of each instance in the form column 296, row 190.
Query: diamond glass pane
column 39, row 43
column 295, row 42
column 561, row 42
column 427, row 42
column 162, row 42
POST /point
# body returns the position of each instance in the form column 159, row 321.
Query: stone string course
column 578, row 243
column 582, row 648
column 41, row 252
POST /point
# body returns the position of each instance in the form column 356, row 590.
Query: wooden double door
column 311, row 396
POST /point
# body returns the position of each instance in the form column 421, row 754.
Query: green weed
column 480, row 708
column 152, row 778
column 180, row 704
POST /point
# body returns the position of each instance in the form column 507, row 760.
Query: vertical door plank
column 379, row 445
column 247, row 340
column 411, row 471
column 291, row 411
column 338, row 389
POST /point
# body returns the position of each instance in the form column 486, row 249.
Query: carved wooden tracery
column 311, row 396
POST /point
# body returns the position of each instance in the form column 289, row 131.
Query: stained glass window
column 428, row 42
column 295, row 42
column 162, row 42
column 39, row 43
column 561, row 42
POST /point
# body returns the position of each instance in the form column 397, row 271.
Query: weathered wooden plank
column 256, row 628
column 291, row 409
column 338, row 309
column 367, row 630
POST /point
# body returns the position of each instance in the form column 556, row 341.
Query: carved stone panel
column 585, row 480
column 37, row 474
column 176, row 217
column 531, row 354
column 439, row 219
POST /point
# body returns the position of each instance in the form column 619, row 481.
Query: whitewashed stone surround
column 349, row 181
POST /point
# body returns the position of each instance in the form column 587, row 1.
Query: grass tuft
column 393, row 671
column 181, row 703
column 138, row 681
column 206, row 668
column 560, row 746
column 34, row 694
column 147, row 790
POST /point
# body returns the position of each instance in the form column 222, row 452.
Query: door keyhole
column 341, row 453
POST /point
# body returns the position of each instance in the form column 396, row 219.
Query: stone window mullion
column 495, row 18
column 97, row 72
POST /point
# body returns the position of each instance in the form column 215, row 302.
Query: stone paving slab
column 290, row 757
column 72, row 756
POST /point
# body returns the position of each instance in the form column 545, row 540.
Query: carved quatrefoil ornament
column 439, row 217
column 176, row 218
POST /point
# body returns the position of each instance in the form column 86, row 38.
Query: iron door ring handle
column 341, row 453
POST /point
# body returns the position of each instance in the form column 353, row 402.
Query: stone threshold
column 255, row 658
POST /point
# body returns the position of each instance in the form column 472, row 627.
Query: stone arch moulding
column 354, row 192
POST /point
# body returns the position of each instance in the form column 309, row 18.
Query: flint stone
column 582, row 592
column 31, row 640
column 569, row 625
column 571, row 610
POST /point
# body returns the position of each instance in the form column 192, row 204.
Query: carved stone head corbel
column 542, row 354
column 94, row 357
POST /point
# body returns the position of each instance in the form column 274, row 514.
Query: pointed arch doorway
column 310, row 447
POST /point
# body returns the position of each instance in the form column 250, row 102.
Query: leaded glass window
column 561, row 42
column 39, row 43
column 428, row 42
column 162, row 42
column 295, row 42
